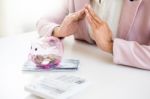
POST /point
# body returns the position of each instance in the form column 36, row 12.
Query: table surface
column 108, row 81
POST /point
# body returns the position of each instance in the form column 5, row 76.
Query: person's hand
column 101, row 31
column 70, row 24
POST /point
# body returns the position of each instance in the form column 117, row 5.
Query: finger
column 79, row 15
column 92, row 18
column 92, row 13
column 97, row 24
column 89, row 18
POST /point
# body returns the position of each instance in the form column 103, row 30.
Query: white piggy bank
column 46, row 52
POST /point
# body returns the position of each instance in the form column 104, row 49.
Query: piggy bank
column 46, row 52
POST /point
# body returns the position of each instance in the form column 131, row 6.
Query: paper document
column 59, row 87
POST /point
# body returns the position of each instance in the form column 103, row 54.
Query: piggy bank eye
column 36, row 49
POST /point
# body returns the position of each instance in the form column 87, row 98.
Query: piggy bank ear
column 52, row 42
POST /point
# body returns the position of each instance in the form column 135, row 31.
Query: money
column 65, row 65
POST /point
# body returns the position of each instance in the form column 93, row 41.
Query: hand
column 101, row 31
column 70, row 24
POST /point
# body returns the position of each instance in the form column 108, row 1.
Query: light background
column 20, row 16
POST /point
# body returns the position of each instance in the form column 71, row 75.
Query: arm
column 46, row 25
column 124, row 52
column 131, row 53
column 61, row 23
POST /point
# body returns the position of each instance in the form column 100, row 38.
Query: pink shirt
column 132, row 45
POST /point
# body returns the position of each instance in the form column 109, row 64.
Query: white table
column 108, row 81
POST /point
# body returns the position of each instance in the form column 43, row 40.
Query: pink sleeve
column 46, row 24
column 131, row 53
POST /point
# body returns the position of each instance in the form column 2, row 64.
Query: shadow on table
column 90, row 51
column 33, row 97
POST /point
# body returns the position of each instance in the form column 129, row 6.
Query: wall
column 20, row 16
column 1, row 18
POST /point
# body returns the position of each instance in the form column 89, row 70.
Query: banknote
column 65, row 65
